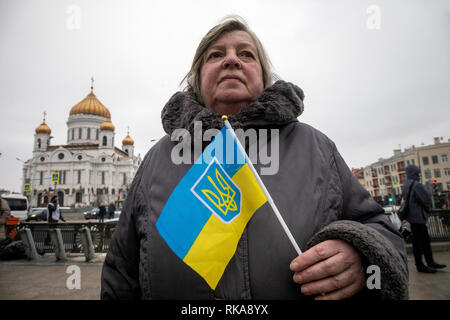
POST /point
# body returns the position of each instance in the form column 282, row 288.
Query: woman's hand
column 332, row 267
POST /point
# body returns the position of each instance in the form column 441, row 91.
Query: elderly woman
column 341, row 230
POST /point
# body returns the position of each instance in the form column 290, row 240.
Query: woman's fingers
column 315, row 254
column 343, row 293
column 333, row 283
column 334, row 265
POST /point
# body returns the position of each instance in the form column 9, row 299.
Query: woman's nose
column 231, row 61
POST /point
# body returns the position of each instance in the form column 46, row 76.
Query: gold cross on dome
column 92, row 83
column 45, row 114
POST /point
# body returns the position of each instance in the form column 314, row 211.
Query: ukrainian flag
column 207, row 212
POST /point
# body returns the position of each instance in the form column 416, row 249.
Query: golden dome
column 43, row 128
column 90, row 105
column 128, row 141
column 107, row 125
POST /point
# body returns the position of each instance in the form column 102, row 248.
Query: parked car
column 38, row 214
column 91, row 214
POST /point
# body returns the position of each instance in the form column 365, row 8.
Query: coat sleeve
column 364, row 225
column 120, row 273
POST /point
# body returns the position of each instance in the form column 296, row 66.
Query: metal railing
column 439, row 225
column 71, row 233
column 101, row 232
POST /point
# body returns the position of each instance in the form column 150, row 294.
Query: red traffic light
column 433, row 182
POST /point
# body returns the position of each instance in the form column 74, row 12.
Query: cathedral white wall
column 108, row 137
column 79, row 125
column 93, row 165
column 41, row 141
column 129, row 148
column 89, row 169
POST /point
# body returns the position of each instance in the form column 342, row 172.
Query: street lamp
column 25, row 180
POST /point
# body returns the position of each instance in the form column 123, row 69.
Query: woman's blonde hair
column 228, row 24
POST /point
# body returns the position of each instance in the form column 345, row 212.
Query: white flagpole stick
column 263, row 187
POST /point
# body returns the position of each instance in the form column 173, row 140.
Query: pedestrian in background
column 54, row 215
column 5, row 213
column 54, row 212
column 419, row 208
column 111, row 210
column 101, row 212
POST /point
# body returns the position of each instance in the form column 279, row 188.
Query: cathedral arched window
column 104, row 141
column 89, row 133
column 38, row 143
column 79, row 133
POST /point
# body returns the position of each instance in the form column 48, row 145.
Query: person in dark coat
column 339, row 227
column 101, row 212
column 419, row 208
column 54, row 215
column 54, row 212
column 111, row 210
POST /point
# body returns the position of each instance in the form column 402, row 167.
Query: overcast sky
column 376, row 74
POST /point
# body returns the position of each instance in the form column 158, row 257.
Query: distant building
column 359, row 174
column 91, row 169
column 385, row 177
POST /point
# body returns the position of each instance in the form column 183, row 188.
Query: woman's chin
column 230, row 107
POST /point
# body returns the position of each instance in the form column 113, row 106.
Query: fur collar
column 278, row 105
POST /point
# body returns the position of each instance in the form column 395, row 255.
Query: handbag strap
column 409, row 193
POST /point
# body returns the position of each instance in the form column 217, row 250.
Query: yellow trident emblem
column 224, row 199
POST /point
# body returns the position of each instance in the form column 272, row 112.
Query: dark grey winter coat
column 314, row 190
column 419, row 206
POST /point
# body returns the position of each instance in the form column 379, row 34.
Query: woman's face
column 231, row 76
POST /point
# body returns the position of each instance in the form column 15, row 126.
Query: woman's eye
column 214, row 55
column 247, row 54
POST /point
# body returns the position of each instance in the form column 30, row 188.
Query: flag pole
column 263, row 187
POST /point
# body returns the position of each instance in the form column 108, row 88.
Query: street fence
column 439, row 225
column 101, row 232
column 71, row 232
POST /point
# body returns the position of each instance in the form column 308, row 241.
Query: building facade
column 359, row 175
column 385, row 178
column 91, row 169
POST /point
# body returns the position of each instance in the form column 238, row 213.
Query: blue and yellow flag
column 207, row 212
